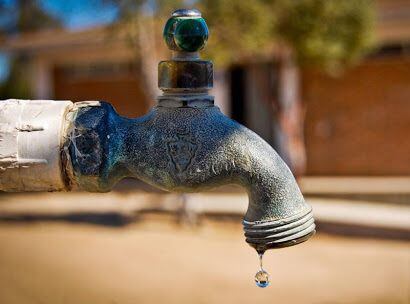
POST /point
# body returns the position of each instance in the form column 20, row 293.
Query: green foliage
column 238, row 29
column 326, row 33
column 32, row 17
column 16, row 85
column 27, row 16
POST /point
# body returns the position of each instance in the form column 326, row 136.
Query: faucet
column 184, row 144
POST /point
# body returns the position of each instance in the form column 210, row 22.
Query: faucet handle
column 186, row 31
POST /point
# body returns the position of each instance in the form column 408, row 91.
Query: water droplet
column 261, row 277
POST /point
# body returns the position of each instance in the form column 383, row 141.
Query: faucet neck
column 185, row 79
column 186, row 100
column 185, row 82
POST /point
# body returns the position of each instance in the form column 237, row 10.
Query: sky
column 75, row 15
column 78, row 14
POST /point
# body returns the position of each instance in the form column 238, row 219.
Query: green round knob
column 186, row 31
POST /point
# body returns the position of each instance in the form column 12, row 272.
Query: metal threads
column 281, row 233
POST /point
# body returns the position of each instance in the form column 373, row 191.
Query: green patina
column 186, row 144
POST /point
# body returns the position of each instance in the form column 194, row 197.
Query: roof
column 58, row 38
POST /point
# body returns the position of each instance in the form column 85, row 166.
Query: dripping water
column 261, row 277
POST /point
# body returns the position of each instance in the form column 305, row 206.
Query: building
column 359, row 123
column 355, row 124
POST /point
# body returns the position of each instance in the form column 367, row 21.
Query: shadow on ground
column 117, row 219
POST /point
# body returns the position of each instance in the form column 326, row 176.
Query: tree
column 327, row 34
column 142, row 22
column 239, row 30
column 324, row 34
column 20, row 17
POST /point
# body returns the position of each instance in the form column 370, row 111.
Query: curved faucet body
column 189, row 149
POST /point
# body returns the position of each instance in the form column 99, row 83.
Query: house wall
column 114, row 83
column 359, row 123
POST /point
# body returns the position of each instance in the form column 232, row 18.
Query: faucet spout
column 185, row 144
column 277, row 214
column 191, row 149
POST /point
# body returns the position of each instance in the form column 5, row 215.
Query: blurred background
column 325, row 82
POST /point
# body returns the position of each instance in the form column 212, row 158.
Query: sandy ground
column 158, row 261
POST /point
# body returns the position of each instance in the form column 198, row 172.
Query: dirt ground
column 157, row 261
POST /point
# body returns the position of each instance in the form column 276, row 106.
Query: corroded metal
column 185, row 144
column 185, row 74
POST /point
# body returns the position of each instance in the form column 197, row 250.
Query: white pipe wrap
column 31, row 139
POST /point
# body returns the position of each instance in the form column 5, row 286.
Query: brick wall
column 359, row 123
column 120, row 88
